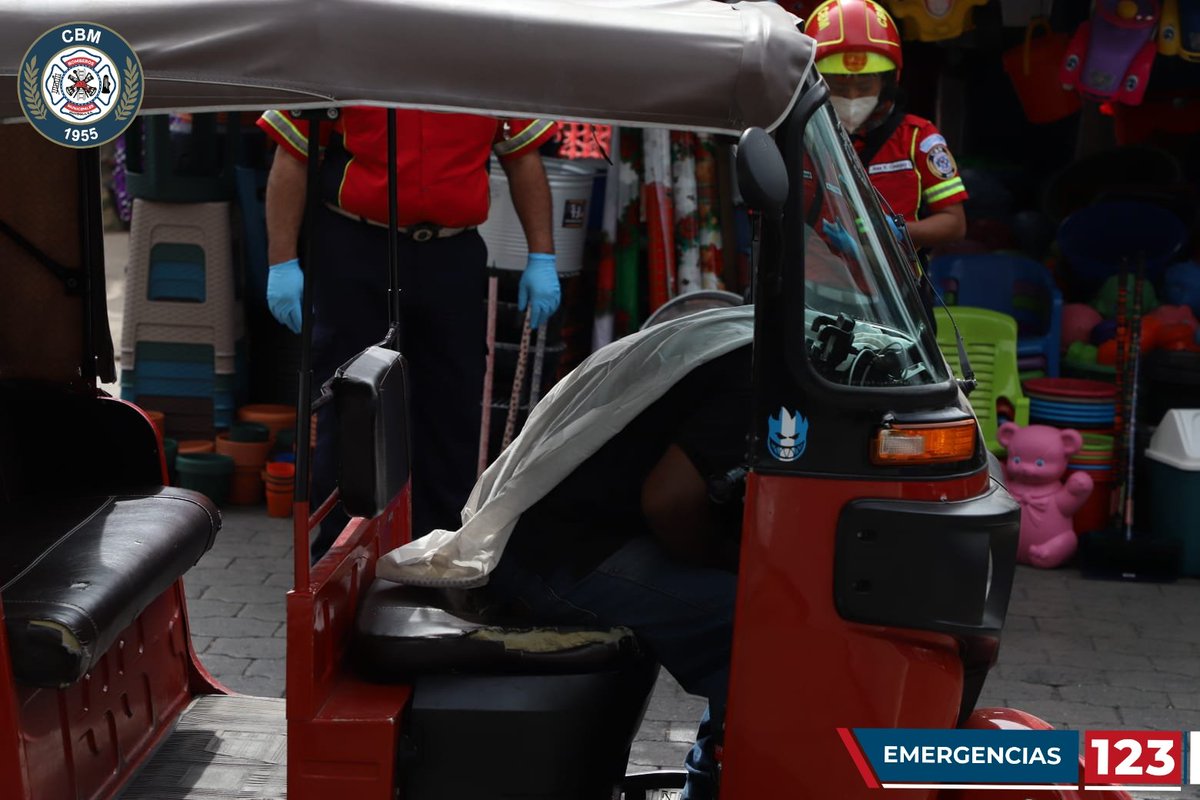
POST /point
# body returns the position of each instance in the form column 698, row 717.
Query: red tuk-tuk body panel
column 1013, row 719
column 84, row 741
column 12, row 757
column 343, row 733
column 845, row 674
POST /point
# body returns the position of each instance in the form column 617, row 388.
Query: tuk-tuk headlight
column 937, row 443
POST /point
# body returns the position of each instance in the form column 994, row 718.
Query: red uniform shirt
column 914, row 168
column 441, row 160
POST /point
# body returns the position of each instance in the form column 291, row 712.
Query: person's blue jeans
column 682, row 613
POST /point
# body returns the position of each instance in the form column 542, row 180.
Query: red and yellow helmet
column 854, row 37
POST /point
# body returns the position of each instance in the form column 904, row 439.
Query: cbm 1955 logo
column 80, row 84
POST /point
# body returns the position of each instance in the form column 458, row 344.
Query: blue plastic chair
column 1011, row 284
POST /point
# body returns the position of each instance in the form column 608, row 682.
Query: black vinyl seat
column 78, row 570
column 402, row 631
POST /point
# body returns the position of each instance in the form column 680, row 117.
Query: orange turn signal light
column 936, row 443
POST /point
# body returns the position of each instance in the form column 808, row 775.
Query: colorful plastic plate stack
column 1072, row 403
column 1087, row 406
column 1096, row 456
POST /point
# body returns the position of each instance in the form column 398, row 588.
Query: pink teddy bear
column 1037, row 459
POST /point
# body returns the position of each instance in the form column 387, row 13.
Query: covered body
column 582, row 412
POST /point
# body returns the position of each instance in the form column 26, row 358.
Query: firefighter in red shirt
column 907, row 159
column 442, row 195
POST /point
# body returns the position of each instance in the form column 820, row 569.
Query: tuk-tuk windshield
column 863, row 317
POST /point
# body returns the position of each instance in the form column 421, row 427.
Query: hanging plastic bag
column 1029, row 66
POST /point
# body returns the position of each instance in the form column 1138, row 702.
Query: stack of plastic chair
column 990, row 339
column 1014, row 285
column 183, row 317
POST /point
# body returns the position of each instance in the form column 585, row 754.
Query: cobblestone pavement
column 1080, row 654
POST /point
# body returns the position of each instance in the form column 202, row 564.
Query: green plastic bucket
column 207, row 473
column 249, row 432
column 285, row 440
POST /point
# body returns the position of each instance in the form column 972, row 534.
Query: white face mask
column 853, row 113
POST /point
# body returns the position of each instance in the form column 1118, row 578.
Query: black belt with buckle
column 421, row 232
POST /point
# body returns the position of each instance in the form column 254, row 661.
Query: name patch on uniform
column 931, row 141
column 941, row 163
column 891, row 166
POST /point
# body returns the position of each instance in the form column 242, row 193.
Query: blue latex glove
column 539, row 288
column 841, row 240
column 897, row 231
column 285, row 289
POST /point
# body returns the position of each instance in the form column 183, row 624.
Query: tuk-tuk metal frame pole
column 304, row 401
column 91, row 261
column 393, row 334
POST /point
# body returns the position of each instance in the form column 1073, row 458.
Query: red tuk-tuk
column 875, row 571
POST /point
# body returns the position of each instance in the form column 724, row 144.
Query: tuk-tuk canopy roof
column 695, row 64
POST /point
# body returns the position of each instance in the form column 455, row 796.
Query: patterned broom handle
column 539, row 356
column 514, row 402
column 485, row 422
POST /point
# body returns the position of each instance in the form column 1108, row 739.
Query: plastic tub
column 191, row 446
column 246, row 486
column 276, row 416
column 285, row 441
column 249, row 432
column 570, row 192
column 207, row 473
column 1173, row 458
column 279, row 501
column 280, row 478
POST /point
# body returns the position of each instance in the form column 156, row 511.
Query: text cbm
column 89, row 35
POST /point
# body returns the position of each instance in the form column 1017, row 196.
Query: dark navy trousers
column 443, row 324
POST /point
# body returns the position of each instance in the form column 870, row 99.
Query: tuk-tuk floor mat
column 223, row 748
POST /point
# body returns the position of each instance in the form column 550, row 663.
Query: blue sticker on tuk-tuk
column 787, row 435
column 80, row 84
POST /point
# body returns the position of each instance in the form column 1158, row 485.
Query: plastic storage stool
column 212, row 321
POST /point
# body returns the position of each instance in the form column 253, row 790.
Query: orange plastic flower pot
column 276, row 416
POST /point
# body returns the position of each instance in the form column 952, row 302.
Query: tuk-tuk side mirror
column 762, row 175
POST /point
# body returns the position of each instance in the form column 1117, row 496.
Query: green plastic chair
column 991, row 342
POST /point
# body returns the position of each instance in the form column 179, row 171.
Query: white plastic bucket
column 570, row 193
column 1176, row 440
